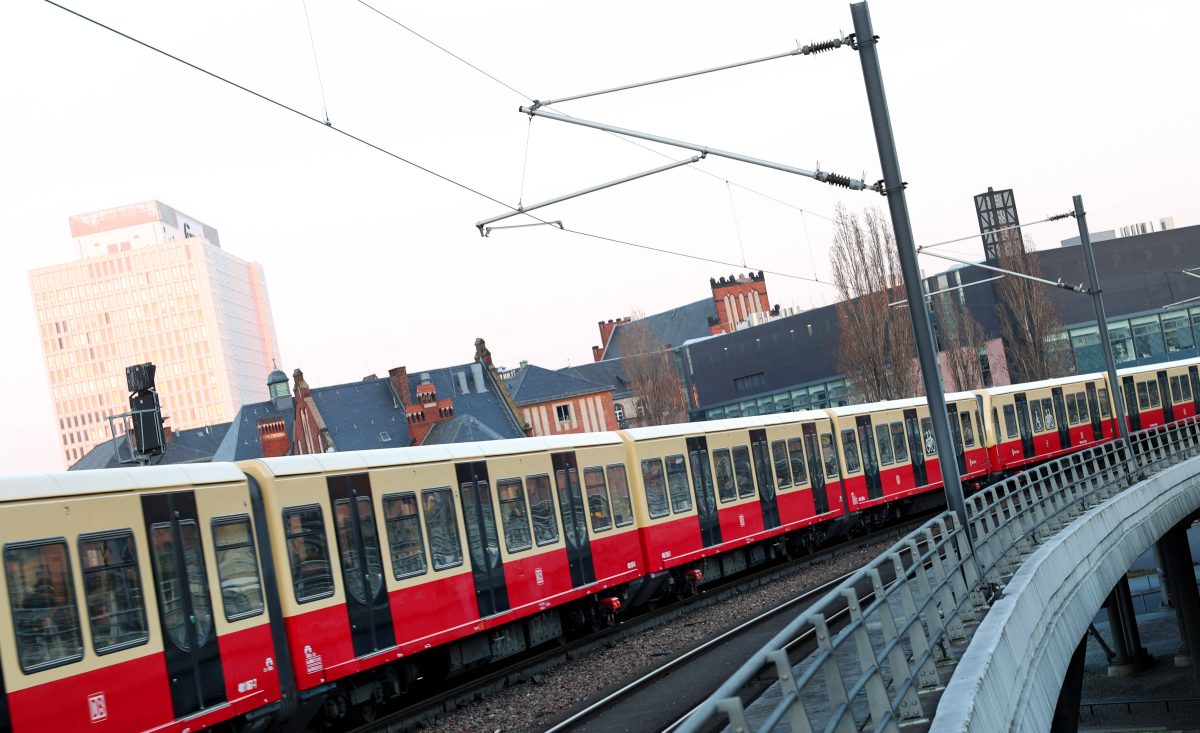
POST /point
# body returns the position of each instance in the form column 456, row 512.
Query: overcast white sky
column 373, row 264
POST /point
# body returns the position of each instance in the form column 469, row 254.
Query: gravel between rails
column 532, row 706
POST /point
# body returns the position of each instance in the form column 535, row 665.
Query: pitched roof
column 483, row 402
column 105, row 455
column 610, row 372
column 460, row 429
column 362, row 415
column 672, row 327
column 532, row 384
column 241, row 441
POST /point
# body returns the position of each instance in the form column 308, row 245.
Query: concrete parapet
column 1011, row 673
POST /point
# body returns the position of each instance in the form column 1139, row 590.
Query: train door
column 956, row 436
column 1022, row 405
column 1164, row 389
column 1131, row 404
column 702, row 485
column 816, row 471
column 916, row 451
column 766, row 479
column 574, row 516
column 185, row 610
column 1194, row 377
column 1094, row 411
column 870, row 458
column 491, row 592
column 367, row 604
column 1060, row 417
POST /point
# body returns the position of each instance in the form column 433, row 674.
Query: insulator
column 822, row 46
column 833, row 179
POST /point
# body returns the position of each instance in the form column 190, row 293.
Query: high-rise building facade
column 151, row 284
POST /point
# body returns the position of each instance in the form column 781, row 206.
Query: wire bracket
column 882, row 189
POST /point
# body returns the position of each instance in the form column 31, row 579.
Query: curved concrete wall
column 1011, row 673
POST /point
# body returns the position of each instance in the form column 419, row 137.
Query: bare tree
column 652, row 377
column 961, row 338
column 1027, row 316
column 876, row 351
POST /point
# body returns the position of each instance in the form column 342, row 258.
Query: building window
column 748, row 382
column 619, row 411
column 563, row 413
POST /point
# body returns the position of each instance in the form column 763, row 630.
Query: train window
column 899, row 444
column 618, row 486
column 1081, row 401
column 1176, row 392
column 403, row 527
column 237, row 567
column 677, row 482
column 885, row 445
column 783, row 472
column 1035, row 411
column 742, row 473
column 1143, row 396
column 1010, row 421
column 796, row 451
column 308, row 553
column 514, row 515
column 1153, row 388
column 979, row 426
column 1048, row 409
column 1105, row 409
column 968, row 434
column 195, row 584
column 724, row 472
column 599, row 507
column 1072, row 410
column 850, row 448
column 441, row 524
column 829, row 455
column 114, row 591
column 541, row 507
column 927, row 436
column 43, row 604
column 656, row 487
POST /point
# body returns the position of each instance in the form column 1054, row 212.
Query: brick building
column 555, row 403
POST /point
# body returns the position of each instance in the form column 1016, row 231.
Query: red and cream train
column 266, row 594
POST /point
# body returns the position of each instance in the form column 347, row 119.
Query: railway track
column 437, row 703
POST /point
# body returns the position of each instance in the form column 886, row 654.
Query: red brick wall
column 590, row 413
column 747, row 294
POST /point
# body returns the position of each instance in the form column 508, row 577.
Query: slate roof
column 190, row 446
column 463, row 429
column 532, row 384
column 488, row 407
column 610, row 372
column 672, row 327
column 241, row 442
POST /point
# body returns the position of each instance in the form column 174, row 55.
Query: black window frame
column 726, row 484
column 502, row 506
column 543, row 481
column 779, row 456
column 684, row 495
column 605, row 499
column 899, row 443
column 662, row 482
column 288, row 537
column 229, row 519
column 70, row 586
column 389, row 521
column 628, row 497
column 137, row 572
column 850, row 450
column 883, row 444
column 796, row 456
column 740, row 463
column 1010, row 422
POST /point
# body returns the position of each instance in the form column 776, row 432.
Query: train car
column 1158, row 394
column 386, row 554
column 1037, row 421
column 887, row 451
column 134, row 600
column 706, row 488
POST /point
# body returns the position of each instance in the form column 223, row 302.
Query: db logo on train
column 97, row 707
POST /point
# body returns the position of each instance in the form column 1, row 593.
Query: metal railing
column 861, row 657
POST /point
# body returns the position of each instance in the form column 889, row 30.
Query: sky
column 372, row 263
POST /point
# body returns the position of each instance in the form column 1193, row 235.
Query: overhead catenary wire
column 736, row 226
column 379, row 148
column 615, row 136
column 312, row 42
column 1054, row 217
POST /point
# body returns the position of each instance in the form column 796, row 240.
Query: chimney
column 168, row 435
column 477, row 372
column 398, row 383
column 273, row 437
column 524, row 363
column 462, row 383
column 302, row 389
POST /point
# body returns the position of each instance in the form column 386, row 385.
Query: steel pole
column 902, row 228
column 1101, row 322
